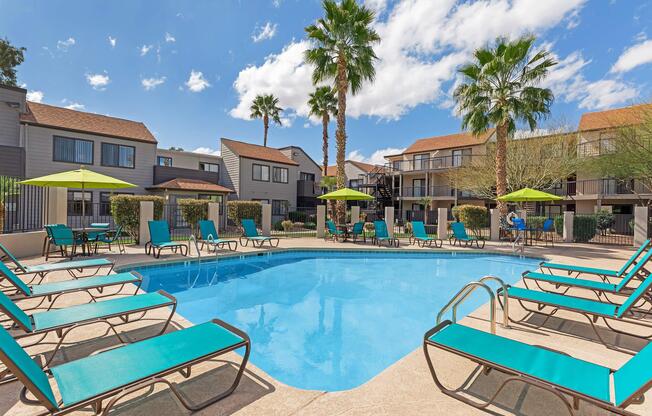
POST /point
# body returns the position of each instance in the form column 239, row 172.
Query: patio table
column 83, row 233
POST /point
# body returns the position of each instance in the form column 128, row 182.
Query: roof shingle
column 79, row 121
column 448, row 142
column 255, row 151
column 191, row 185
column 619, row 117
column 366, row 167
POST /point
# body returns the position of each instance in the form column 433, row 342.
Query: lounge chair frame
column 215, row 241
column 488, row 366
column 424, row 242
column 261, row 239
column 119, row 393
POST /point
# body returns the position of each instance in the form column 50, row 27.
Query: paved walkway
column 402, row 389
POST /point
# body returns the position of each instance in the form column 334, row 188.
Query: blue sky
column 188, row 70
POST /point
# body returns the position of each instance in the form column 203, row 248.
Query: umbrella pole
column 83, row 207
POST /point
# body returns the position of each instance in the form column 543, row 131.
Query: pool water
column 329, row 320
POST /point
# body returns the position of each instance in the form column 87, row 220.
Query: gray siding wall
column 250, row 189
column 230, row 176
column 39, row 158
column 12, row 161
column 165, row 173
column 306, row 164
column 9, row 117
column 189, row 160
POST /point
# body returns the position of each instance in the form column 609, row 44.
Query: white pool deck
column 405, row 388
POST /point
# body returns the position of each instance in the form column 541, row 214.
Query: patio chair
column 381, row 234
column 65, row 240
column 548, row 232
column 123, row 310
column 604, row 274
column 110, row 237
column 460, row 236
column 421, row 238
column 47, row 242
column 601, row 289
column 333, row 232
column 210, row 237
column 39, row 271
column 628, row 313
column 358, row 232
column 541, row 367
column 250, row 233
column 50, row 292
column 114, row 374
column 159, row 234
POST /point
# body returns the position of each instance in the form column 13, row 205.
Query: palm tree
column 500, row 90
column 343, row 52
column 322, row 104
column 265, row 106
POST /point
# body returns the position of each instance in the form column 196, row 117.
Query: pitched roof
column 618, row 117
column 448, row 142
column 79, row 121
column 332, row 170
column 191, row 185
column 255, row 151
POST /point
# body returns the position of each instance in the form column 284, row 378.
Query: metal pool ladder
column 196, row 244
column 469, row 288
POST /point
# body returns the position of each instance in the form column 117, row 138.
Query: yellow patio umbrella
column 529, row 195
column 346, row 194
column 79, row 178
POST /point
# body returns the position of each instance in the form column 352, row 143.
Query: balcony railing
column 599, row 187
column 431, row 191
column 435, row 163
column 308, row 188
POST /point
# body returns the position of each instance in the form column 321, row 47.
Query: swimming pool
column 329, row 320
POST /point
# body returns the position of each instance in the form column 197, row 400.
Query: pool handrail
column 462, row 295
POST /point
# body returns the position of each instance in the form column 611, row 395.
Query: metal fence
column 21, row 206
column 605, row 228
column 299, row 223
column 98, row 212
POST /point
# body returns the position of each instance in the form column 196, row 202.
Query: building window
column 260, row 173
column 421, row 161
column 164, row 161
column 75, row 202
column 105, row 201
column 418, row 187
column 209, row 167
column 354, row 183
column 305, row 176
column 117, row 155
column 607, row 146
column 73, row 150
column 461, row 156
column 280, row 207
column 280, row 175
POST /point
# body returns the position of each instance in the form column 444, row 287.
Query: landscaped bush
column 474, row 217
column 126, row 212
column 278, row 225
column 298, row 216
column 584, row 228
column 408, row 227
column 559, row 225
column 238, row 210
column 193, row 211
column 605, row 220
column 287, row 225
column 535, row 221
column 310, row 225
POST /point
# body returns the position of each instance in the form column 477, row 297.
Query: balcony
column 306, row 188
column 435, row 163
column 166, row 173
column 430, row 192
column 601, row 187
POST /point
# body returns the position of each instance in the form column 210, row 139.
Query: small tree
column 193, row 211
column 10, row 58
column 239, row 210
column 474, row 217
column 425, row 201
column 605, row 220
column 126, row 212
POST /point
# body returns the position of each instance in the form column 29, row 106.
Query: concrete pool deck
column 404, row 388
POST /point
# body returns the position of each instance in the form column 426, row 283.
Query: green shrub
column 535, row 221
column 278, row 225
column 605, row 220
column 559, row 225
column 193, row 211
column 310, row 225
column 298, row 216
column 408, row 227
column 584, row 228
column 238, row 210
column 474, row 217
column 125, row 210
column 287, row 225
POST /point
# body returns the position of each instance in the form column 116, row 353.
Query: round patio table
column 83, row 233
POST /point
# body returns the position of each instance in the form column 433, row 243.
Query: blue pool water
column 329, row 320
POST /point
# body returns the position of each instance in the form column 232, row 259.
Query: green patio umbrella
column 346, row 194
column 529, row 195
column 79, row 178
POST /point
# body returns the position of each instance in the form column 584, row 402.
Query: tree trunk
column 266, row 127
column 501, row 161
column 325, row 119
column 340, row 134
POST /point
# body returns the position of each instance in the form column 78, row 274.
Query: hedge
column 238, row 210
column 584, row 228
column 474, row 217
column 193, row 211
column 125, row 210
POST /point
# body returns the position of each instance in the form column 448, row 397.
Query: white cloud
column 264, row 32
column 112, row 41
column 276, row 3
column 606, row 93
column 169, row 38
column 98, row 81
column 207, row 151
column 196, row 82
column 145, row 49
column 639, row 54
column 63, row 45
column 377, row 157
column 378, row 6
column 151, row 83
column 418, row 58
column 35, row 96
column 72, row 105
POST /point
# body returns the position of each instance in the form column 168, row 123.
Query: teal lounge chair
column 121, row 311
column 601, row 289
column 548, row 304
column 420, row 236
column 250, row 233
column 460, row 236
column 358, row 232
column 555, row 372
column 209, row 237
column 39, row 271
column 50, row 292
column 111, row 375
column 333, row 232
column 605, row 274
column 381, row 234
column 159, row 234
